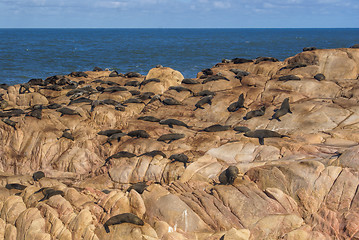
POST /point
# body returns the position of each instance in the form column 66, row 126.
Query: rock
column 167, row 76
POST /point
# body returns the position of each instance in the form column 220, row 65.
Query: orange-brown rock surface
column 300, row 185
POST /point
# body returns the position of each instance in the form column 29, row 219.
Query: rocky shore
column 127, row 156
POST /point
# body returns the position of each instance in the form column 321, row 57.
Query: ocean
column 40, row 53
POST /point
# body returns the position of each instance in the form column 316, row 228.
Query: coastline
column 302, row 182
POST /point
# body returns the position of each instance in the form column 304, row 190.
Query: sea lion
column 241, row 60
column 146, row 95
column 134, row 92
column 132, row 100
column 239, row 72
column 36, row 113
column 170, row 137
column 284, row 109
column 121, row 154
column 111, row 83
column 113, row 74
column 122, row 218
column 202, row 101
column 4, row 86
column 294, row 66
column 109, row 132
column 54, row 106
column 149, row 119
column 67, row 111
column 180, row 89
column 114, row 89
column 49, row 192
column 204, row 93
column 170, row 122
column 241, row 129
column 289, row 78
column 207, row 71
column 180, row 158
column 146, row 81
column 97, row 69
column 109, row 102
column 171, row 101
column 309, row 49
column 132, row 74
column 229, row 175
column 105, row 191
column 132, row 83
column 80, row 100
column 66, row 134
column 15, row 112
column 214, row 78
column 138, row 134
column 216, row 128
column 237, row 105
column 116, row 136
column 154, row 153
column 36, row 81
column 9, row 122
column 189, row 81
column 25, row 87
column 85, row 90
column 139, row 187
column 53, row 87
column 16, row 186
column 255, row 113
column 263, row 133
column 78, row 74
column 265, row 59
column 38, row 175
column 319, row 77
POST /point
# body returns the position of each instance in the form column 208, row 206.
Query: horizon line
column 179, row 28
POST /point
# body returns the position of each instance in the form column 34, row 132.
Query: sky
column 179, row 14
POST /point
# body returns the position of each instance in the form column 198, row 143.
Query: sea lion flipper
column 170, row 125
column 278, row 119
column 106, row 228
column 289, row 111
column 261, row 141
column 42, row 199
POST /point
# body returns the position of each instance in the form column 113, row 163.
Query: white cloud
column 218, row 4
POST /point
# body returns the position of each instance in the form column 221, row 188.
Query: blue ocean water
column 39, row 53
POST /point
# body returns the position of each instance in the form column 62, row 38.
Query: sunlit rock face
column 297, row 181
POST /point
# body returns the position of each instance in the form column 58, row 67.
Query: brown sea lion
column 170, row 122
column 180, row 158
column 263, row 133
column 15, row 186
column 149, row 119
column 170, row 137
column 216, row 128
column 237, row 105
column 229, row 175
column 38, row 175
column 202, row 101
column 122, row 218
column 283, row 110
column 138, row 134
column 255, row 113
column 139, row 187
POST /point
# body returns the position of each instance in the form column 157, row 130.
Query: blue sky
column 179, row 13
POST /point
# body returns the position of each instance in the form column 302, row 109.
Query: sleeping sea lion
column 122, row 218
